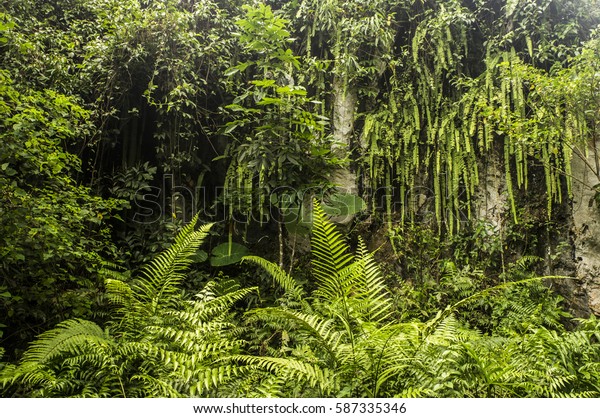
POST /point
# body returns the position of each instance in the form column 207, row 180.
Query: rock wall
column 586, row 224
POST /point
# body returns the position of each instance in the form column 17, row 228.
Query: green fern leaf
column 330, row 254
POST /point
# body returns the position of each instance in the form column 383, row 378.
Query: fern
column 330, row 255
column 157, row 344
column 158, row 285
column 287, row 283
column 345, row 341
column 337, row 337
column 341, row 339
column 375, row 302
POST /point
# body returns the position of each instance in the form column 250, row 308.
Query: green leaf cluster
column 279, row 141
column 53, row 231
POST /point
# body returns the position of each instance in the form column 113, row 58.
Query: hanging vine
column 437, row 123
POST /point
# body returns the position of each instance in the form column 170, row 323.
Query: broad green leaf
column 200, row 257
column 227, row 253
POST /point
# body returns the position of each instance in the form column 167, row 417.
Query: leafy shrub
column 53, row 232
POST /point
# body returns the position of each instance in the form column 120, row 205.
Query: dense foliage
column 343, row 338
column 443, row 132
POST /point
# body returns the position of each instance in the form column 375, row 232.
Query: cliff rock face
column 586, row 225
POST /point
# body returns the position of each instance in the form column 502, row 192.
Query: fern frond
column 66, row 337
column 74, row 338
column 272, row 386
column 323, row 329
column 484, row 293
column 311, row 374
column 211, row 378
column 330, row 254
column 154, row 387
column 119, row 293
column 113, row 271
column 373, row 291
column 202, row 310
column 287, row 282
column 158, row 284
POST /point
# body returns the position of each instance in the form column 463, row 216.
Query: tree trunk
column 491, row 199
column 344, row 105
